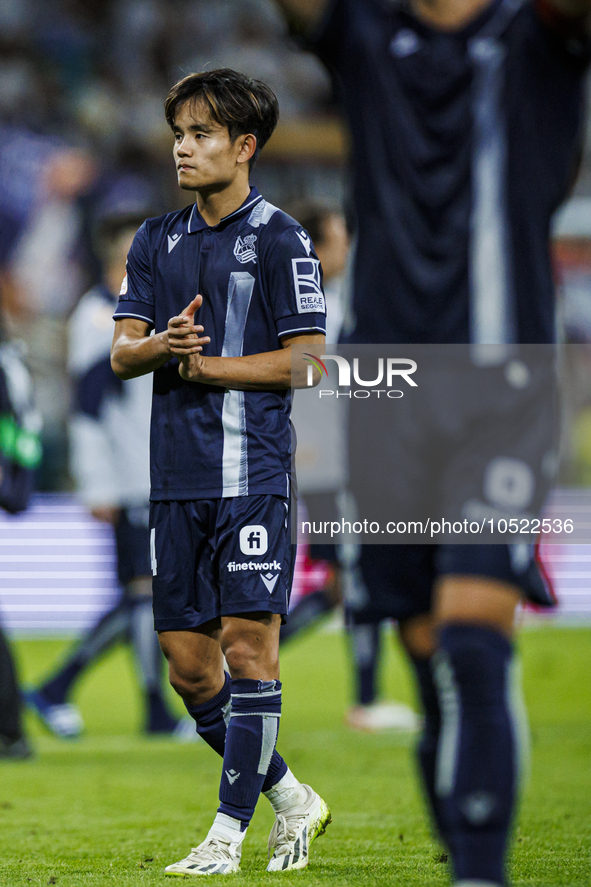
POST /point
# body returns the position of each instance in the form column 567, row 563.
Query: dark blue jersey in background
column 464, row 143
column 260, row 280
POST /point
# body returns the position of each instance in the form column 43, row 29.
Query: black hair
column 242, row 104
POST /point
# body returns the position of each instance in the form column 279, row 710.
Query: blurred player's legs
column 131, row 621
column 370, row 604
column 462, row 655
column 13, row 742
column 479, row 749
column 318, row 578
column 368, row 714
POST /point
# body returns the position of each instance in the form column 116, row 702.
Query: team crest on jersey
column 244, row 249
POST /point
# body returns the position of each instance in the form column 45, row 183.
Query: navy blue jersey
column 260, row 280
column 464, row 143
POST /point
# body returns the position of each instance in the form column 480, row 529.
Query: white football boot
column 213, row 857
column 380, row 716
column 62, row 720
column 294, row 831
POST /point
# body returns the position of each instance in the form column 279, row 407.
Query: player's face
column 205, row 157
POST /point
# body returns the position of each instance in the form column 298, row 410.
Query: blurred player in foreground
column 109, row 436
column 319, row 574
column 465, row 121
column 222, row 557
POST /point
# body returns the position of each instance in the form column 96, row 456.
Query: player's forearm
column 132, row 357
column 253, row 372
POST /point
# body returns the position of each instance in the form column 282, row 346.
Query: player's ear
column 248, row 145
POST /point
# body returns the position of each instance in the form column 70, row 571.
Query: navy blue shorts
column 396, row 581
column 220, row 557
column 132, row 539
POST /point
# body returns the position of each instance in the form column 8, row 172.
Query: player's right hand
column 184, row 337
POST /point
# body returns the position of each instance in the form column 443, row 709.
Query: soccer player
column 13, row 740
column 465, row 120
column 109, row 456
column 228, row 285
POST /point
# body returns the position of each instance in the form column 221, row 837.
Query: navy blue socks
column 366, row 642
column 250, row 743
column 429, row 740
column 476, row 770
column 212, row 719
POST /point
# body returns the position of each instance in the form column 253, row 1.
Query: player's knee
column 246, row 660
column 191, row 686
column 240, row 657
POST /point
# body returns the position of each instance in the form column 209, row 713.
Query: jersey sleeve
column 136, row 298
column 293, row 278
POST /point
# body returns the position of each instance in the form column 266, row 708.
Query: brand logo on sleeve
column 123, row 289
column 306, row 242
column 244, row 249
column 172, row 241
column 308, row 287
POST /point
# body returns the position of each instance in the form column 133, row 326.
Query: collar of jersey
column 196, row 222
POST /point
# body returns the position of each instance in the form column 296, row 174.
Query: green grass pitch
column 115, row 808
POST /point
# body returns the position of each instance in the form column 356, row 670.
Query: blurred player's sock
column 306, row 612
column 10, row 702
column 212, row 719
column 112, row 626
column 250, row 742
column 427, row 747
column 150, row 666
column 365, row 641
column 476, row 767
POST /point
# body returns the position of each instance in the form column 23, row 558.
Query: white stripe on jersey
column 235, row 452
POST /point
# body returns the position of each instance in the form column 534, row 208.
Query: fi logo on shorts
column 254, row 540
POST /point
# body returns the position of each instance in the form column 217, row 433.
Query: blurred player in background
column 13, row 741
column 109, row 437
column 465, row 119
column 319, row 574
column 222, row 557
column 20, row 454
